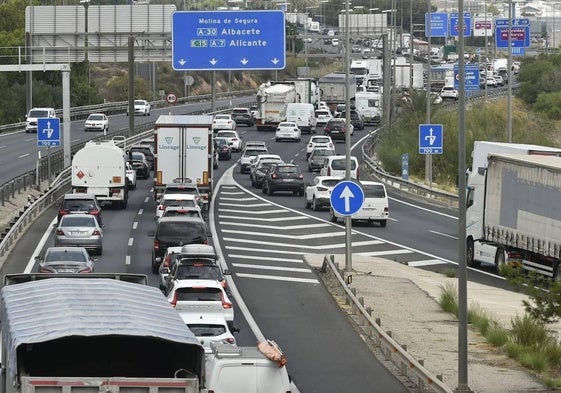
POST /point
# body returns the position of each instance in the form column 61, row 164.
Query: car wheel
column 383, row 223
column 99, row 251
column 307, row 203
column 301, row 192
column 332, row 217
column 269, row 190
column 154, row 267
column 315, row 206
column 310, row 169
column 263, row 189
column 253, row 183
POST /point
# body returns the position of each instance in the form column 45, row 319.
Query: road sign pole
column 49, row 163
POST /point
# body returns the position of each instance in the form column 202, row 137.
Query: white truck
column 366, row 69
column 272, row 100
column 184, row 152
column 86, row 333
column 100, row 168
column 307, row 91
column 511, row 207
column 369, row 105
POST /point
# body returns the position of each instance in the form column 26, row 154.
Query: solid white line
column 428, row 262
column 24, row 155
column 266, row 267
column 284, row 235
column 277, row 278
column 444, row 234
column 40, row 246
column 135, row 225
column 131, row 241
column 140, row 212
column 303, row 246
column 386, row 252
column 245, row 204
column 250, row 212
column 262, row 258
column 128, row 260
column 275, row 227
column 238, row 199
column 276, row 219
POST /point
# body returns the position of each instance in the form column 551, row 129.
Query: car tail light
column 300, row 176
column 85, row 270
column 95, row 212
column 226, row 304
column 322, row 189
column 161, row 207
column 166, row 261
column 63, row 212
column 274, row 176
column 96, row 232
column 224, row 284
column 205, row 241
column 386, row 210
column 310, row 144
column 357, row 173
column 59, row 232
column 230, row 340
column 173, row 301
column 156, row 245
column 234, row 139
column 45, row 270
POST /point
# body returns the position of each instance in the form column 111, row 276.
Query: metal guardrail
column 392, row 350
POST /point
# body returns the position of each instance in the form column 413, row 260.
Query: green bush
column 528, row 332
column 497, row 336
column 449, row 299
column 513, row 350
column 534, row 360
column 478, row 317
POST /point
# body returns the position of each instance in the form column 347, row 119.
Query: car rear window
column 76, row 204
column 73, row 221
column 287, row 169
column 198, row 294
column 322, row 152
column 180, row 229
column 198, row 271
column 254, row 152
column 321, row 140
column 64, row 255
column 374, row 191
column 206, row 329
column 178, row 202
column 173, row 212
column 330, row 182
column 341, row 165
column 240, row 111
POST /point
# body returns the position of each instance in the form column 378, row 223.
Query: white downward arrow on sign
column 347, row 194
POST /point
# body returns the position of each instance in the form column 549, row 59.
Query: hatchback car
column 183, row 188
column 283, row 177
column 176, row 231
column 140, row 164
column 190, row 211
column 257, row 172
column 145, row 149
column 130, row 172
column 288, row 130
column 79, row 203
column 375, row 207
column 318, row 193
column 336, row 128
column 318, row 141
column 223, row 121
column 223, row 148
column 233, row 138
column 449, row 92
column 316, row 158
column 141, row 107
column 209, row 328
column 322, row 116
column 243, row 116
column 79, row 230
column 248, row 155
column 65, row 260
column 97, row 122
column 355, row 117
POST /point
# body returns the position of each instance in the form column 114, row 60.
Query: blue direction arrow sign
column 454, row 22
column 438, row 26
column 430, row 138
column 471, row 75
column 48, row 132
column 520, row 32
column 228, row 40
column 347, row 198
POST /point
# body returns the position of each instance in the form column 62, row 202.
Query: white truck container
column 403, row 73
column 333, row 88
column 183, row 152
column 86, row 333
column 521, row 212
column 304, row 115
column 306, row 89
column 272, row 100
column 369, row 105
column 100, row 168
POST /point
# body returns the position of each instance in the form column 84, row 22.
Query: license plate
column 66, row 270
column 287, row 179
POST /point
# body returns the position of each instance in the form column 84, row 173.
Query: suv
column 248, row 155
column 336, row 128
column 147, row 150
column 79, row 203
column 35, row 114
column 283, row 177
column 356, row 119
column 176, row 231
column 449, row 92
column 243, row 116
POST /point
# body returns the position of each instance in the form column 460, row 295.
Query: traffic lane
column 324, row 352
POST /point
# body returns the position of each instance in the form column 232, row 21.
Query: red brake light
column 156, row 245
column 161, row 207
column 274, row 176
column 86, row 270
column 43, row 270
column 63, row 212
column 173, row 301
column 198, row 264
column 230, row 340
column 226, row 304
column 94, row 212
column 300, row 176
column 59, row 232
column 96, row 232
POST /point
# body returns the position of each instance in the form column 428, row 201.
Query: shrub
column 449, row 299
column 497, row 336
column 530, row 333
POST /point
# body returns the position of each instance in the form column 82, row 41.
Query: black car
column 356, row 119
column 176, row 231
column 140, row 164
column 223, row 147
column 79, row 203
column 336, row 128
column 257, row 173
column 147, row 150
column 283, row 177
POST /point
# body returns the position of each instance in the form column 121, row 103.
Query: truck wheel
column 383, row 223
column 500, row 259
column 470, row 254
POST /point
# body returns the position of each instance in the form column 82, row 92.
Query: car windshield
column 340, row 165
column 206, row 329
column 374, row 191
column 38, row 113
column 138, row 156
column 222, row 117
column 73, row 221
column 321, row 140
column 181, row 212
column 323, row 152
column 78, row 205
column 238, row 111
column 65, row 255
column 287, row 124
column 95, row 117
column 140, row 102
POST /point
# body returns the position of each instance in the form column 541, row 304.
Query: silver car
column 79, row 230
column 65, row 260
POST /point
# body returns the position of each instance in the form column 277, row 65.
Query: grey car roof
column 46, row 310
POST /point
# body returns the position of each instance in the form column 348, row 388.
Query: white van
column 337, row 165
column 375, row 207
column 304, row 115
column 35, row 114
column 232, row 369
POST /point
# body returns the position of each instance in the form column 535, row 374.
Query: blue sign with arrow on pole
column 430, row 139
column 228, row 40
column 48, row 132
column 347, row 198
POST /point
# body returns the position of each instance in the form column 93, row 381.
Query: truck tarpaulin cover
column 103, row 326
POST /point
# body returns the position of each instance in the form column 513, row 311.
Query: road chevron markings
column 308, row 246
column 275, row 227
column 286, row 236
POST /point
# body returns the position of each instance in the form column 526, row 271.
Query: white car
column 323, row 116
column 319, row 141
column 201, row 296
column 223, row 121
column 131, row 175
column 449, row 92
column 323, row 105
column 141, row 107
column 318, row 193
column 167, row 200
column 97, row 122
column 288, row 130
column 375, row 207
column 233, row 138
column 209, row 328
column 249, row 153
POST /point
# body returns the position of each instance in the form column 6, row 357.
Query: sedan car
column 288, row 130
column 79, row 230
column 141, row 107
column 140, row 164
column 318, row 141
column 318, row 193
column 223, row 148
column 223, row 121
column 336, row 128
column 65, row 260
column 316, row 158
column 233, row 138
column 97, row 122
column 283, row 177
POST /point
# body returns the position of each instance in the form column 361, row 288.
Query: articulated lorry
column 307, row 91
column 94, row 333
column 100, row 168
column 183, row 152
column 511, row 207
column 272, row 100
column 333, row 88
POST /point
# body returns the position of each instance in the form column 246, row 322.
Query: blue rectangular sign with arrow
column 520, row 33
column 228, row 40
column 48, row 132
column 454, row 22
column 430, row 139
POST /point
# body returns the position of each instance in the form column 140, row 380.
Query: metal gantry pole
column 348, row 221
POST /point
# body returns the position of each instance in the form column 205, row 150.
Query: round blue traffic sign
column 347, row 198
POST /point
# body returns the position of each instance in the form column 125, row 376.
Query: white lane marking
column 131, row 241
column 262, row 258
column 40, row 246
column 237, row 199
column 1, row 147
column 128, row 260
column 281, row 228
column 244, row 204
column 444, row 234
column 256, row 213
column 276, row 219
column 140, row 212
column 320, row 247
column 423, row 208
column 261, row 250
column 146, row 200
column 267, row 267
column 24, row 155
column 286, row 236
column 428, row 262
column 135, row 225
column 386, row 252
column 277, row 278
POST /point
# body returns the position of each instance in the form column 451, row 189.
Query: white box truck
column 183, row 152
column 511, row 212
column 100, row 168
